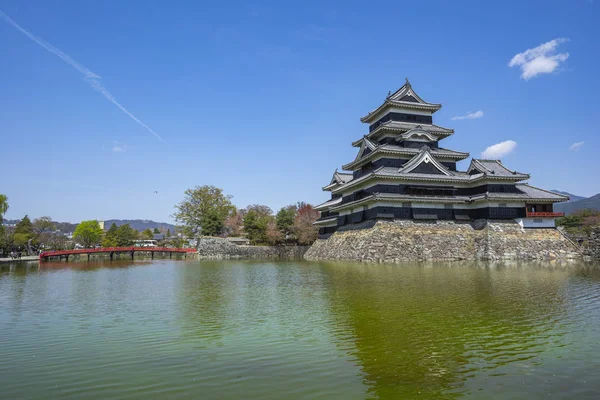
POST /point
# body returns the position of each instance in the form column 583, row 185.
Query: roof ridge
column 396, row 99
column 479, row 161
column 514, row 171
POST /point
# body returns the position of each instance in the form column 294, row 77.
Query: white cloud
column 119, row 148
column 539, row 60
column 576, row 146
column 91, row 78
column 499, row 150
column 470, row 115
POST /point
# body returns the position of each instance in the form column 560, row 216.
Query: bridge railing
column 545, row 214
column 51, row 253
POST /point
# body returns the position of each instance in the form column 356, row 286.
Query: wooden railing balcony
column 544, row 214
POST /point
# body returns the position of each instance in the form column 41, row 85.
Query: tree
column 20, row 240
column 23, row 235
column 177, row 242
column 24, row 227
column 88, row 233
column 126, row 235
column 110, row 237
column 57, row 241
column 122, row 236
column 234, row 226
column 156, row 231
column 43, row 230
column 3, row 209
column 168, row 233
column 273, row 234
column 204, row 211
column 256, row 221
column 580, row 222
column 147, row 234
column 305, row 231
column 285, row 220
column 3, row 206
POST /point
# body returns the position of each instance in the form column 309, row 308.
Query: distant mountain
column 139, row 224
column 573, row 197
column 570, row 207
column 65, row 227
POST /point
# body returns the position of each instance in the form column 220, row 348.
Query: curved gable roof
column 426, row 157
column 417, row 131
column 492, row 167
column 403, row 97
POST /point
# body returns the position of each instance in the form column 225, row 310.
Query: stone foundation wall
column 405, row 240
column 220, row 249
column 508, row 241
column 591, row 247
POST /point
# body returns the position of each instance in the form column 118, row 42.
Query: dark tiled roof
column 394, row 172
column 322, row 221
column 344, row 178
column 493, row 167
column 435, row 151
column 403, row 97
column 528, row 192
column 409, row 151
column 328, row 203
column 402, row 127
column 406, row 126
column 538, row 193
column 412, row 197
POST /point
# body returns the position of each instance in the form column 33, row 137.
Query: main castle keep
column 403, row 198
column 402, row 172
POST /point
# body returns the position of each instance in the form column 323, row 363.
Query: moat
column 295, row 330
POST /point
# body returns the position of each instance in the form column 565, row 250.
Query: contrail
column 91, row 78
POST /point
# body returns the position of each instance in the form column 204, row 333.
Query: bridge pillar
column 112, row 253
column 170, row 255
column 67, row 258
column 132, row 251
column 88, row 257
column 152, row 255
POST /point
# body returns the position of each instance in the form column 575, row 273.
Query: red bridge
column 112, row 250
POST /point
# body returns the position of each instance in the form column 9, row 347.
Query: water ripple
column 298, row 330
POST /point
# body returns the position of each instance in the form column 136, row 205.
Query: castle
column 402, row 173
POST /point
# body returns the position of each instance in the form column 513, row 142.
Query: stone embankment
column 591, row 247
column 404, row 240
column 222, row 249
column 6, row 260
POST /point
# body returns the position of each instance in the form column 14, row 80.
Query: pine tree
column 110, row 238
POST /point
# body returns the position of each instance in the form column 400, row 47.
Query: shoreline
column 6, row 260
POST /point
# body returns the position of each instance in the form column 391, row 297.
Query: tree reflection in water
column 423, row 331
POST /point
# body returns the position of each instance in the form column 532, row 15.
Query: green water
column 255, row 330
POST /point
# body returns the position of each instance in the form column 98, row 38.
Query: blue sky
column 263, row 99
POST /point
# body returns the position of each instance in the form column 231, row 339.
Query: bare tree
column 305, row 231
